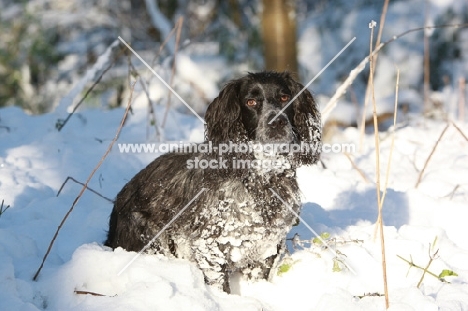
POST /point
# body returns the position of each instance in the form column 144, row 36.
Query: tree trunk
column 279, row 36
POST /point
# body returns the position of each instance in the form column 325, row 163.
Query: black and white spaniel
column 237, row 224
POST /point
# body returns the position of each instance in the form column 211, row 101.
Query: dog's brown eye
column 284, row 98
column 251, row 102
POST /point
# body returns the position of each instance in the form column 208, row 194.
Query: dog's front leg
column 276, row 260
column 267, row 268
column 213, row 265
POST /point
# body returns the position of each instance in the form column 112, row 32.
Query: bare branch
column 76, row 181
column 84, row 292
column 430, row 155
column 360, row 67
column 86, row 184
column 460, row 131
column 363, row 175
column 179, row 29
column 61, row 123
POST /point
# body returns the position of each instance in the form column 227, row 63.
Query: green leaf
column 446, row 272
column 284, row 268
column 434, row 243
column 324, row 236
column 336, row 266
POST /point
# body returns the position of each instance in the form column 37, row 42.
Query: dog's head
column 257, row 108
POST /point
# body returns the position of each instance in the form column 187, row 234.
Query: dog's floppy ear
column 223, row 116
column 307, row 124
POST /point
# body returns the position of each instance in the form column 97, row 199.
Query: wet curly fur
column 236, row 224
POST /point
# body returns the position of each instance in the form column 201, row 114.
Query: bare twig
column 161, row 47
column 84, row 292
column 426, row 60
column 370, row 295
column 296, row 241
column 3, row 209
column 151, row 111
column 459, row 131
column 150, row 75
column 377, row 160
column 355, row 102
column 360, row 67
column 424, row 28
column 363, row 175
column 159, row 21
column 61, row 123
column 461, row 99
column 86, row 184
column 412, row 264
column 145, row 87
column 148, row 81
column 393, row 139
column 383, row 16
column 179, row 28
column 451, row 194
column 430, row 155
column 76, row 181
column 376, row 123
column 431, row 258
column 343, row 87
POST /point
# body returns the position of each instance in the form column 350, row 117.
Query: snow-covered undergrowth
column 35, row 160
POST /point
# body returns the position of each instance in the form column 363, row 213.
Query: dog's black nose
column 278, row 122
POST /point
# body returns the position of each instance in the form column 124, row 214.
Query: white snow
column 35, row 159
column 67, row 102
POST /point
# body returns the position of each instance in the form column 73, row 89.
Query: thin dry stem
column 363, row 175
column 343, row 87
column 412, row 264
column 425, row 270
column 383, row 16
column 2, row 208
column 85, row 292
column 90, row 189
column 435, row 147
column 179, row 28
column 377, row 157
column 148, row 79
column 393, row 140
column 86, row 184
column 151, row 111
column 461, row 99
column 61, row 123
column 430, row 155
column 427, row 67
column 453, row 192
column 362, row 126
column 360, row 67
column 355, row 102
column 459, row 130
column 161, row 47
column 376, row 123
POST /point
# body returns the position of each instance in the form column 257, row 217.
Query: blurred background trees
column 47, row 46
column 279, row 35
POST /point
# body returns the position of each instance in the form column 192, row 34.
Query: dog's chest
column 243, row 228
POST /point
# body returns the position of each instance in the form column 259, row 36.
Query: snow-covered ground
column 35, row 159
column 423, row 224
